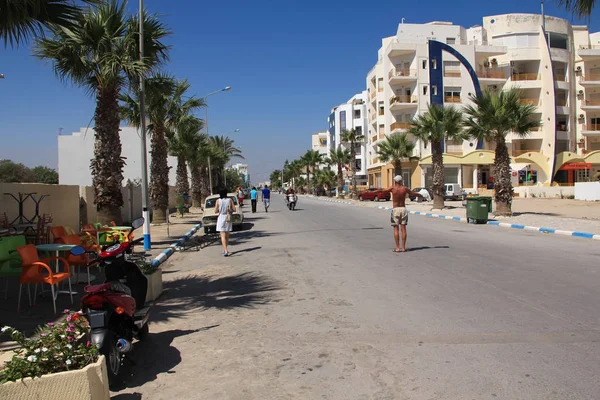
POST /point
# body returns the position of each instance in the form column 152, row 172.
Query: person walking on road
column 224, row 207
column 253, row 198
column 266, row 198
column 399, row 217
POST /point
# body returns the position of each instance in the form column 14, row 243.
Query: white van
column 452, row 191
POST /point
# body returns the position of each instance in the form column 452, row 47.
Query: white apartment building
column 555, row 74
column 347, row 116
column 75, row 152
column 242, row 169
column 319, row 143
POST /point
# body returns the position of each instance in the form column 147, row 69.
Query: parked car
column 452, row 191
column 375, row 194
column 418, row 190
column 209, row 221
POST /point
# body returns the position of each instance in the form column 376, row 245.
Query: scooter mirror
column 137, row 223
column 77, row 251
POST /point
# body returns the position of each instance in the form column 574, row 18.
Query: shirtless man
column 399, row 217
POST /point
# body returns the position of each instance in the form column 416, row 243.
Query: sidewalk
column 559, row 214
column 163, row 236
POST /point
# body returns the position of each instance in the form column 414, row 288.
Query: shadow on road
column 426, row 248
column 195, row 292
column 151, row 357
column 248, row 250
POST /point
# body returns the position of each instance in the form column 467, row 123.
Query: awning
column 519, row 166
column 574, row 166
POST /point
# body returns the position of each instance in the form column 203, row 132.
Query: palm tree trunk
column 196, row 186
column 182, row 182
column 438, row 175
column 204, row 184
column 340, row 178
column 159, row 176
column 107, row 165
column 308, row 178
column 353, row 167
column 397, row 168
column 502, row 185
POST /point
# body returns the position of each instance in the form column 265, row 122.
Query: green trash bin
column 478, row 209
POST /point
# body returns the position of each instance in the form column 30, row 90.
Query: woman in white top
column 223, row 207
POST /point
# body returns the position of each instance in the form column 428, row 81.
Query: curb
column 584, row 235
column 162, row 257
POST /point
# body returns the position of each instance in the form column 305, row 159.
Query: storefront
column 572, row 172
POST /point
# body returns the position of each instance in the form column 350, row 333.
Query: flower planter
column 155, row 285
column 89, row 383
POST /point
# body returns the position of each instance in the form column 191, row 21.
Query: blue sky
column 288, row 63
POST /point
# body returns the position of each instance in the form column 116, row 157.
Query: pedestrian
column 399, row 216
column 224, row 207
column 253, row 198
column 266, row 198
column 240, row 196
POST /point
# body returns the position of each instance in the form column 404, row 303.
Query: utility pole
column 145, row 209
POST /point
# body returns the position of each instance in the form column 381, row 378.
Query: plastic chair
column 78, row 261
column 10, row 261
column 57, row 232
column 37, row 271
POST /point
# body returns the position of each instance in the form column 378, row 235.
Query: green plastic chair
column 10, row 261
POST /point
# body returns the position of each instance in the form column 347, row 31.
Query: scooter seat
column 97, row 288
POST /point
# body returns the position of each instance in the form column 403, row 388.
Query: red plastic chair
column 36, row 270
column 57, row 232
column 78, row 261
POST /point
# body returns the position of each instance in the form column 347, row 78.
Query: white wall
column 75, row 152
column 545, row 191
column 589, row 191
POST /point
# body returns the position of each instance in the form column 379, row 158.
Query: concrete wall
column 545, row 191
column 587, row 191
column 62, row 202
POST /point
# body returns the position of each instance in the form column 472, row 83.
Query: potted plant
column 154, row 276
column 56, row 363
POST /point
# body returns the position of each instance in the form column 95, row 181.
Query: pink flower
column 43, row 334
column 71, row 325
column 50, row 323
column 66, row 311
column 88, row 344
column 68, row 318
column 69, row 329
column 69, row 338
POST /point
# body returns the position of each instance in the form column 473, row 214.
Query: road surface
column 313, row 304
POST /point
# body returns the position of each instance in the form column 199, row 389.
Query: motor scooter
column 116, row 310
column 291, row 199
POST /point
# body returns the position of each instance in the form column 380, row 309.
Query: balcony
column 491, row 75
column 530, row 101
column 373, row 95
column 561, row 102
column 560, row 77
column 379, row 90
column 591, row 104
column 374, row 138
column 520, row 152
column 591, row 130
column 381, row 135
column 452, row 99
column 400, row 126
column 525, row 77
column 402, row 75
column 454, row 149
column 590, row 80
column 452, row 74
column 562, row 127
column 589, row 52
column 403, row 102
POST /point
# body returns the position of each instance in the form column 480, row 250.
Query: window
column 379, row 83
column 558, row 41
column 433, row 64
column 342, row 120
column 452, row 95
column 434, row 90
column 381, row 129
column 450, row 40
column 424, row 64
column 356, row 114
column 425, row 90
column 358, row 130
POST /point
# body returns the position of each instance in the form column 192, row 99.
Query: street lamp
column 225, row 89
column 145, row 208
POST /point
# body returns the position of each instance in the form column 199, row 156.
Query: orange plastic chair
column 37, row 271
column 57, row 232
column 78, row 261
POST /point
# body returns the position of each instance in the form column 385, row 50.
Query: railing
column 381, row 111
column 374, row 160
column 536, row 129
column 525, row 77
column 520, row 152
column 380, row 89
column 373, row 94
column 452, row 99
column 454, row 149
column 491, row 74
column 561, row 102
column 374, row 138
column 590, row 77
column 562, row 128
column 402, row 72
column 400, row 125
column 592, row 102
column 451, row 74
column 381, row 135
column 403, row 99
column 593, row 127
column 589, row 47
column 533, row 102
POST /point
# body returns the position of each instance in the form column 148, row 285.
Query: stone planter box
column 155, row 285
column 89, row 383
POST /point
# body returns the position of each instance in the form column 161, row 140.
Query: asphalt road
column 313, row 304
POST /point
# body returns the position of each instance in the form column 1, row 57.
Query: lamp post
column 145, row 209
column 225, row 89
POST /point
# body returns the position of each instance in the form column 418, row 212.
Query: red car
column 374, row 194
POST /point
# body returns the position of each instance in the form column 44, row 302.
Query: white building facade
column 348, row 116
column 555, row 71
column 77, row 150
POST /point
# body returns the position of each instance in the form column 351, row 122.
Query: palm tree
column 198, row 161
column 339, row 157
column 294, row 169
column 352, row 137
column 325, row 178
column 22, row 19
column 394, row 149
column 311, row 160
column 491, row 117
column 580, row 8
column 100, row 53
column 223, row 150
column 183, row 143
column 434, row 126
